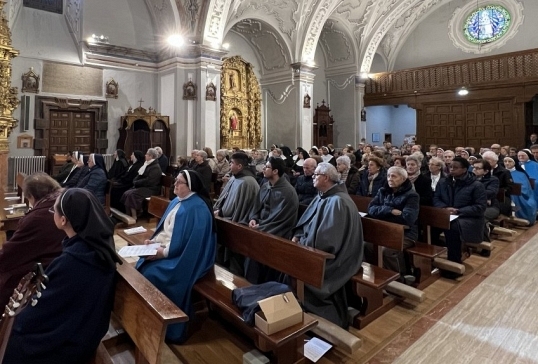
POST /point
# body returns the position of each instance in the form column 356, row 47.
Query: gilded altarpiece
column 240, row 113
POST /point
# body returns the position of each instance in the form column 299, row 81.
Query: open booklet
column 139, row 250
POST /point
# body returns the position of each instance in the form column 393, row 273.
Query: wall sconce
column 463, row 91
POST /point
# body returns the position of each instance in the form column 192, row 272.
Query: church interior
column 100, row 75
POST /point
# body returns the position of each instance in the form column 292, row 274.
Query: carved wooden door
column 70, row 130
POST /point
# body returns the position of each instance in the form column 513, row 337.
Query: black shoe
column 485, row 253
column 450, row 275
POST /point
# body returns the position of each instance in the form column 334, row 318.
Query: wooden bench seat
column 144, row 313
column 304, row 264
column 422, row 254
column 217, row 288
column 372, row 280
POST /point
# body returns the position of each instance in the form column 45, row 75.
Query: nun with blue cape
column 187, row 234
column 529, row 164
column 525, row 203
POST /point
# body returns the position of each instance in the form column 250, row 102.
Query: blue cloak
column 531, row 167
column 526, row 202
column 191, row 255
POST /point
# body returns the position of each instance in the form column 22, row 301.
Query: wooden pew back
column 383, row 233
column 361, row 202
column 303, row 263
column 144, row 312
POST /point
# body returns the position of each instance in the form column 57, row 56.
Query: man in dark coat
column 331, row 223
column 304, row 184
column 462, row 195
column 163, row 160
column 397, row 202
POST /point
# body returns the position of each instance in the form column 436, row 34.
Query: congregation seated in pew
column 147, row 183
column 73, row 312
column 125, row 181
column 36, row 239
column 96, row 179
column 187, row 234
column 525, row 203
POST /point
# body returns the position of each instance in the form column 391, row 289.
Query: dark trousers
column 453, row 243
column 394, row 260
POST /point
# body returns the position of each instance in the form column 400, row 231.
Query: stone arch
column 337, row 43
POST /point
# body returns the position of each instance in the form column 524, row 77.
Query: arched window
column 487, row 24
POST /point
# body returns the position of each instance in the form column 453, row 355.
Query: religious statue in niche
column 234, row 121
column 111, row 89
column 189, row 91
column 363, row 114
column 211, row 92
column 306, row 101
column 232, row 80
column 30, row 82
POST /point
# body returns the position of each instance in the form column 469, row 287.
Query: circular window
column 481, row 28
column 487, row 24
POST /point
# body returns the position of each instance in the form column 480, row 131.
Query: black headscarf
column 88, row 219
column 195, row 184
column 139, row 155
column 100, row 162
column 121, row 157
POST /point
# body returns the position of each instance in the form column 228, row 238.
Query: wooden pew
column 306, row 265
column 370, row 282
column 144, row 314
column 156, row 207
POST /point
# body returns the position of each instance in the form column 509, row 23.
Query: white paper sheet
column 363, row 214
column 139, row 250
column 135, row 230
column 453, row 217
column 315, row 348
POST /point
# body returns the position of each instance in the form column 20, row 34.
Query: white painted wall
column 390, row 120
column 429, row 43
column 43, row 35
column 127, row 23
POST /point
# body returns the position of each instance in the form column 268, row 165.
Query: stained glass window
column 487, row 24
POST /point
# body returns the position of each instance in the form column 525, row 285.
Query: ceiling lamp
column 463, row 91
column 176, row 40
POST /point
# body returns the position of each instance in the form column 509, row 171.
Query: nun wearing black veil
column 73, row 313
column 187, row 234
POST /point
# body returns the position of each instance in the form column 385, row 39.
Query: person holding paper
column 187, row 234
column 461, row 194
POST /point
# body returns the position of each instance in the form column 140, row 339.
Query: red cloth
column 37, row 239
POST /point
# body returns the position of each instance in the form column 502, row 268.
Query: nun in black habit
column 73, row 313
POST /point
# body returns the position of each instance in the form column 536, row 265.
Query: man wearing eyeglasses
column 331, row 223
column 275, row 212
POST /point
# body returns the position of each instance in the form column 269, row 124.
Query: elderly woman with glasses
column 187, row 234
column 73, row 313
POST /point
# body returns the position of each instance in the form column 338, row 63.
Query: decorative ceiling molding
column 314, row 27
column 457, row 24
column 346, row 83
column 403, row 27
column 283, row 96
column 268, row 44
column 281, row 10
column 215, row 22
column 335, row 43
column 73, row 17
column 165, row 15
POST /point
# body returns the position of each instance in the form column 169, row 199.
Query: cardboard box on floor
column 278, row 313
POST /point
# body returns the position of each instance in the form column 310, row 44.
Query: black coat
column 423, row 186
column 505, row 182
column 378, row 182
column 353, row 180
column 150, row 179
column 205, row 172
column 405, row 199
column 304, row 186
column 469, row 197
column 491, row 185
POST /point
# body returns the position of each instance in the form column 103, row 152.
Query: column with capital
column 303, row 75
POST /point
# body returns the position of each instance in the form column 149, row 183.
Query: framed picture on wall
column 375, row 137
column 25, row 141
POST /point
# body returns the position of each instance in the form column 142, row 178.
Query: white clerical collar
column 186, row 197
